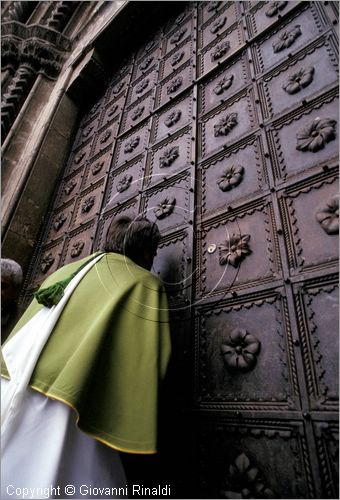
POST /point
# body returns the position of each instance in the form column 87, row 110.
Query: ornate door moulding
column 43, row 48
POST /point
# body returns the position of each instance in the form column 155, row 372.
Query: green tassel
column 51, row 295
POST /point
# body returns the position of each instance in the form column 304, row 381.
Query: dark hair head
column 132, row 236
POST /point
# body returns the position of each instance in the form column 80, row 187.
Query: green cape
column 108, row 352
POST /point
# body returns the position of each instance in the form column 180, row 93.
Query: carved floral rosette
column 240, row 350
column 234, row 250
column 287, row 38
column 131, row 144
column 146, row 63
column 328, row 215
column 217, row 25
column 69, row 187
column 219, row 51
column 137, row 113
column 316, row 135
column 97, row 167
column 88, row 204
column 169, row 156
column 112, row 110
column 165, row 207
column 105, row 136
column 117, row 88
column 225, row 124
column 231, row 177
column 46, row 262
column 59, row 221
column 178, row 36
column 213, row 6
column 173, row 117
column 275, row 8
column 245, row 480
column 174, row 85
column 79, row 157
column 77, row 248
column 142, row 86
column 176, row 58
column 223, row 84
column 299, row 80
column 124, row 183
column 86, row 133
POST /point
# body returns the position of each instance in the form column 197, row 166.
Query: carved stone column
column 9, row 61
column 27, row 51
column 60, row 15
column 16, row 94
column 17, row 11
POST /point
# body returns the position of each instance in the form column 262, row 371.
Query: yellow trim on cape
column 67, row 403
column 107, row 358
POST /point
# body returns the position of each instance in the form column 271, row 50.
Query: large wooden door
column 223, row 128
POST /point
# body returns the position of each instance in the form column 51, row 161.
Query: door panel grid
column 222, row 129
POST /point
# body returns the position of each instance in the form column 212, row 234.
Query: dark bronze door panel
column 223, row 128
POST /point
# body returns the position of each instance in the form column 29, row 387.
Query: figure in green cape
column 103, row 360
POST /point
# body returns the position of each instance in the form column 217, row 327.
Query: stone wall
column 44, row 52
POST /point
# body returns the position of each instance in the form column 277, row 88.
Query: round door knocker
column 211, row 248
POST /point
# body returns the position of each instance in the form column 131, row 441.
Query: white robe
column 49, row 451
column 42, row 449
